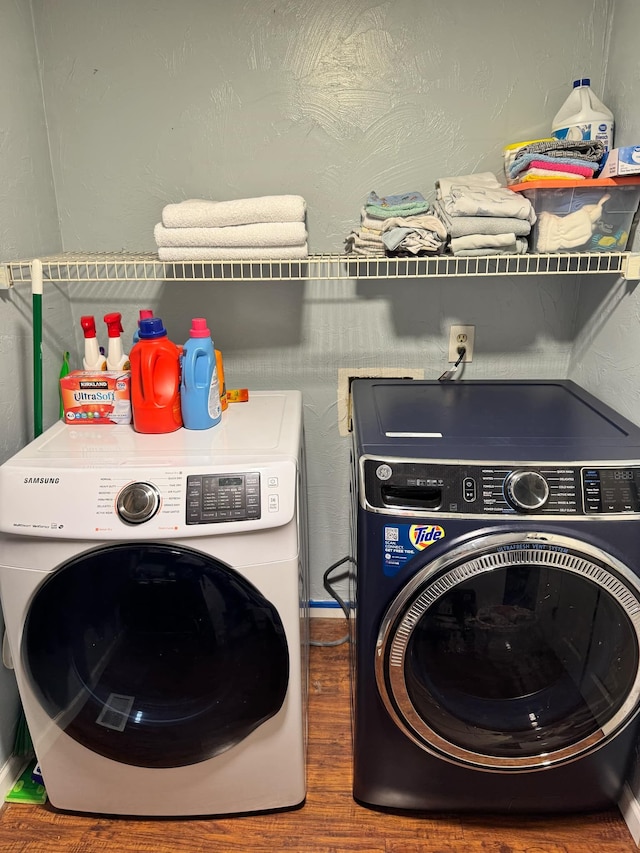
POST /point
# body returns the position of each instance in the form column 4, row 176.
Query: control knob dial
column 137, row 503
column 527, row 491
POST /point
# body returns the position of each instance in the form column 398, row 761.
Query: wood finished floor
column 330, row 821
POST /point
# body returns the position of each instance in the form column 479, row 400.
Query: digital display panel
column 214, row 498
column 620, row 489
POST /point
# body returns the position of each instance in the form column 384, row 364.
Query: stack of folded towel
column 552, row 159
column 481, row 216
column 270, row 227
column 397, row 225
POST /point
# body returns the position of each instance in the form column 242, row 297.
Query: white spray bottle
column 116, row 358
column 93, row 358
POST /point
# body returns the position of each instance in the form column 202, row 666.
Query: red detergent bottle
column 155, row 380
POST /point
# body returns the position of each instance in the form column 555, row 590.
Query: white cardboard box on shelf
column 622, row 161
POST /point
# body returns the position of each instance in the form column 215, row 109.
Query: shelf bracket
column 6, row 280
column 631, row 266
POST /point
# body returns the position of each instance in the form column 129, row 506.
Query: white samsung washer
column 155, row 596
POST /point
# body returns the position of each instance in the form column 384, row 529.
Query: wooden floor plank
column 330, row 821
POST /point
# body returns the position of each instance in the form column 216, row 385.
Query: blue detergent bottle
column 199, row 386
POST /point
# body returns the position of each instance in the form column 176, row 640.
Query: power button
column 469, row 489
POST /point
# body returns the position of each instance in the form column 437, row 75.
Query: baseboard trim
column 326, row 610
column 630, row 809
column 10, row 773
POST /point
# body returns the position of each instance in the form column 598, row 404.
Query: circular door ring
column 486, row 554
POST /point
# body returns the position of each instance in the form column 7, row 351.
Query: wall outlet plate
column 461, row 336
column 347, row 374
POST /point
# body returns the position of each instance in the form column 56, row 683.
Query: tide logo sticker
column 423, row 535
column 402, row 542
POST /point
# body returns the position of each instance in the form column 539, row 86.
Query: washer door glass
column 155, row 655
column 517, row 655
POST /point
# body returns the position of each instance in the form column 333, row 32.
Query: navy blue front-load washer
column 496, row 645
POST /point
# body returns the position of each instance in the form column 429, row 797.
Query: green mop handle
column 36, row 300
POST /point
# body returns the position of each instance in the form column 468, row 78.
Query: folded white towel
column 260, row 234
column 220, row 253
column 202, row 213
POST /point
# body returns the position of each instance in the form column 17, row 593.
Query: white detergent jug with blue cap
column 584, row 116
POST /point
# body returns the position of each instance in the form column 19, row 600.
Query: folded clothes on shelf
column 461, row 226
column 482, row 201
column 548, row 175
column 370, row 222
column 476, row 179
column 518, row 246
column 576, row 157
column 488, row 241
column 481, row 217
column 358, row 244
column 402, row 204
column 415, row 235
column 553, row 167
column 587, row 150
column 399, row 224
column 366, row 239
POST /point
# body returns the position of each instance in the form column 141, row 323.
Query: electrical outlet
column 346, row 375
column 461, row 336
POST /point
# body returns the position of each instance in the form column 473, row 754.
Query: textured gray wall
column 155, row 101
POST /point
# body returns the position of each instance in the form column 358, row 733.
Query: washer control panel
column 409, row 487
column 223, row 497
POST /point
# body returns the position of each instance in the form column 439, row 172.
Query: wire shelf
column 124, row 266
